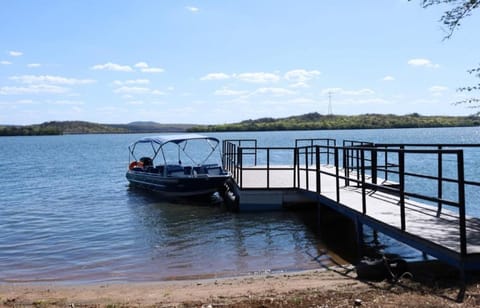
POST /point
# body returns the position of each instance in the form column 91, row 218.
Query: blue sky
column 213, row 62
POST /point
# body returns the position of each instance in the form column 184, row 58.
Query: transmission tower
column 330, row 111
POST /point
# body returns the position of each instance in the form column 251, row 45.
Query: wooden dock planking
column 420, row 219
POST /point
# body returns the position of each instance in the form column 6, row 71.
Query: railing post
column 440, row 181
column 386, row 163
column 337, row 176
column 357, row 167
column 461, row 203
column 346, row 165
column 401, row 179
column 317, row 169
column 306, row 168
column 295, row 159
column 374, row 165
column 311, row 153
column 328, row 152
column 362, row 168
column 268, row 167
column 240, row 166
column 255, row 152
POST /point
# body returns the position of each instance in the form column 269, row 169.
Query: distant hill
column 311, row 121
column 82, row 127
column 152, row 127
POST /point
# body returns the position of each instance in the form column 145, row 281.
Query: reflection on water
column 192, row 240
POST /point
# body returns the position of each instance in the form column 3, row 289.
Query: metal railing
column 356, row 163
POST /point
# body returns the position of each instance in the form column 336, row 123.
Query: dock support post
column 401, row 177
column 319, row 218
column 364, row 192
column 463, row 284
column 359, row 237
column 317, row 170
column 461, row 204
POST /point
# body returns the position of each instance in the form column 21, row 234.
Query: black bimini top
column 174, row 138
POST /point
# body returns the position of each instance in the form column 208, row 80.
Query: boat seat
column 151, row 169
column 187, row 170
column 217, row 170
column 175, row 170
column 200, row 170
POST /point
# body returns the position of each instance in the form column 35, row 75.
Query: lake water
column 67, row 214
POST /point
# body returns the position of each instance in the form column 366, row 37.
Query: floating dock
column 375, row 185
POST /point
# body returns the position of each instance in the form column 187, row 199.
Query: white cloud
column 135, row 103
column 301, row 75
column 5, row 62
column 14, row 53
column 259, row 77
column 228, row 92
column 152, row 70
column 132, row 90
column 67, row 103
column 300, row 84
column 18, row 102
column 32, row 65
column 33, row 89
column 157, row 92
column 341, row 91
column 388, row 78
column 25, row 101
column 48, row 79
column 192, row 9
column 376, row 101
column 273, row 91
column 438, row 89
column 128, row 92
column 419, row 62
column 141, row 65
column 131, row 81
column 112, row 67
column 215, row 76
column 302, row 100
column 145, row 68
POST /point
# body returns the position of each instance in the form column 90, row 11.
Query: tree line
column 316, row 121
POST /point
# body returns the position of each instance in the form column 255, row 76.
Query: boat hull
column 177, row 186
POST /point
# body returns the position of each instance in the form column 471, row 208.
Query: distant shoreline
column 311, row 121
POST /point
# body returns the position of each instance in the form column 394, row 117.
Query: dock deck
column 346, row 180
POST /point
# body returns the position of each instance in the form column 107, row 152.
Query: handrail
column 361, row 158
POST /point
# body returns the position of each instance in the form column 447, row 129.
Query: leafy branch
column 452, row 18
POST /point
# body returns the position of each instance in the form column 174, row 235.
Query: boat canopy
column 175, row 138
column 181, row 140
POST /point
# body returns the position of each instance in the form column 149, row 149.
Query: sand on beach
column 314, row 288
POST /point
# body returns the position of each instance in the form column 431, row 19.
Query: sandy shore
column 315, row 288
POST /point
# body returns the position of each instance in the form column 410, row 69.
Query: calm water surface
column 67, row 214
